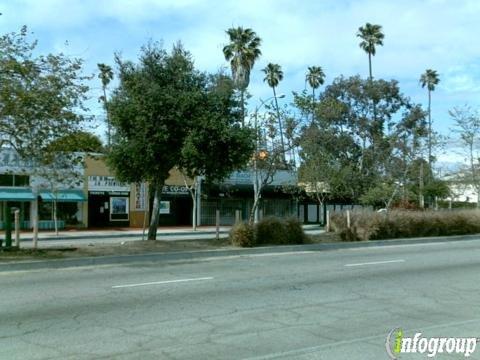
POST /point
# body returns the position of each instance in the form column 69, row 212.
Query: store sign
column 106, row 183
column 280, row 177
column 175, row 190
column 11, row 161
column 140, row 196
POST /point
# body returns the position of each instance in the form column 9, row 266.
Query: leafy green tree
column 42, row 96
column 382, row 194
column 106, row 76
column 273, row 76
column 242, row 52
column 371, row 36
column 216, row 145
column 348, row 152
column 79, row 141
column 467, row 128
column 165, row 113
column 42, row 99
column 429, row 79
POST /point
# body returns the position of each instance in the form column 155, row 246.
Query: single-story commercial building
column 96, row 199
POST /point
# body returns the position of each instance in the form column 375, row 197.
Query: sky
column 419, row 34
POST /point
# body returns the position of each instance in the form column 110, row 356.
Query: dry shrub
column 271, row 230
column 242, row 235
column 405, row 224
column 295, row 233
column 268, row 231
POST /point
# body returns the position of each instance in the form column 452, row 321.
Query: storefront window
column 118, row 208
column 66, row 211
column 14, row 180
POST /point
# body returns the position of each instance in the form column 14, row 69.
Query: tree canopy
column 167, row 114
column 41, row 96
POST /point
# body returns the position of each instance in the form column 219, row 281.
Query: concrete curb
column 204, row 254
column 136, row 235
column 118, row 236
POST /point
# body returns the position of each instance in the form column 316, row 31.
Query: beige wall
column 95, row 165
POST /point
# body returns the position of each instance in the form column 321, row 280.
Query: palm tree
column 273, row 76
column 429, row 79
column 105, row 75
column 242, row 51
column 315, row 77
column 371, row 36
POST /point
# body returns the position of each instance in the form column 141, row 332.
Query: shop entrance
column 108, row 209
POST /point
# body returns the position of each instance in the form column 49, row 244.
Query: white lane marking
column 162, row 282
column 376, row 263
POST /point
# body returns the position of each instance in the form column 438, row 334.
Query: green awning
column 16, row 194
column 63, row 196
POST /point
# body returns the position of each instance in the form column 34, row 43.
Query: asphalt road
column 305, row 305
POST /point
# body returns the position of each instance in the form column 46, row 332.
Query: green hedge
column 405, row 224
column 268, row 231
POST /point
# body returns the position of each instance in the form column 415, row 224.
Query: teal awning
column 63, row 196
column 16, row 194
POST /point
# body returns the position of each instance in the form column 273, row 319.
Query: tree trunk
column 256, row 199
column 280, row 129
column 55, row 221
column 34, row 219
column 155, row 213
column 194, row 194
column 242, row 103
column 370, row 65
column 313, row 105
column 109, row 135
column 421, row 199
column 429, row 129
column 145, row 212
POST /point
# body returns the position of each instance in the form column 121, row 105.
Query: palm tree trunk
column 242, row 104
column 429, row 129
column 279, row 125
column 421, row 199
column 313, row 104
column 370, row 65
column 109, row 128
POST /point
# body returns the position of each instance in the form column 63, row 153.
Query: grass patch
column 125, row 248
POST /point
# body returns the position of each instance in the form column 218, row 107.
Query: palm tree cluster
column 243, row 50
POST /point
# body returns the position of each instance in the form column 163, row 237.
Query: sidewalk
column 68, row 238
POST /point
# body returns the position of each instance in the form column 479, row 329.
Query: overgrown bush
column 271, row 230
column 294, row 231
column 404, row 224
column 242, row 235
column 268, row 231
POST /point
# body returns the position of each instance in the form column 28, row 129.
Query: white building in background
column 463, row 193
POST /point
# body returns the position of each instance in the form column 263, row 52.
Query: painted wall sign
column 106, row 183
column 140, row 196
